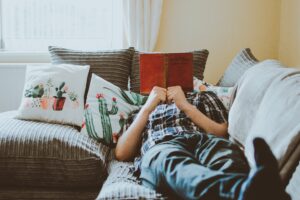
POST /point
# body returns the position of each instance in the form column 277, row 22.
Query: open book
column 166, row 70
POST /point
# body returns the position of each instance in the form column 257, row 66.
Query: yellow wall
column 221, row 26
column 289, row 46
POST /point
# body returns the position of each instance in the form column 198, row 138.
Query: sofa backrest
column 267, row 105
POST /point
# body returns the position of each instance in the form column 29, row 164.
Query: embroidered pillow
column 54, row 93
column 224, row 93
column 107, row 109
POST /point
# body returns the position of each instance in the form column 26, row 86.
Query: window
column 33, row 25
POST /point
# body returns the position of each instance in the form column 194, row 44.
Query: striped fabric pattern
column 293, row 186
column 35, row 154
column 46, row 194
column 239, row 65
column 113, row 66
column 199, row 62
column 122, row 184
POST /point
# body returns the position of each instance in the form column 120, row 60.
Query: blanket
column 267, row 105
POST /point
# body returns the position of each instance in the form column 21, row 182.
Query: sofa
column 40, row 160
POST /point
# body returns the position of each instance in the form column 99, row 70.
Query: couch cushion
column 48, row 155
column 54, row 93
column 17, row 193
column 199, row 62
column 107, row 110
column 122, row 184
column 239, row 65
column 267, row 105
column 113, row 66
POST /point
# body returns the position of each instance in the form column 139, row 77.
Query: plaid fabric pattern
column 167, row 121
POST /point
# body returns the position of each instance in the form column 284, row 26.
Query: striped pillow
column 113, row 66
column 239, row 65
column 199, row 61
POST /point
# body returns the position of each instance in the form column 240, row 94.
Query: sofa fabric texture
column 239, row 65
column 36, row 154
column 199, row 62
column 113, row 66
column 46, row 194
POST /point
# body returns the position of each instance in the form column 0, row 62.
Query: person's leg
column 171, row 168
column 220, row 154
column 263, row 181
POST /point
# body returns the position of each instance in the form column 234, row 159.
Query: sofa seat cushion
column 122, row 184
column 35, row 154
column 46, row 194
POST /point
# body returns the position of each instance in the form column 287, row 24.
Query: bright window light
column 33, row 25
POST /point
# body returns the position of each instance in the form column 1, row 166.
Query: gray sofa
column 49, row 161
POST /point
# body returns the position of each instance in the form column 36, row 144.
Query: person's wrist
column 146, row 110
column 185, row 106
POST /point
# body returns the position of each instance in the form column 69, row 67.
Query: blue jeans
column 195, row 166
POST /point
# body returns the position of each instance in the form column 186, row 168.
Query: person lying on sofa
column 181, row 160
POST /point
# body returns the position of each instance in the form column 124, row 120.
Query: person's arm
column 208, row 125
column 129, row 143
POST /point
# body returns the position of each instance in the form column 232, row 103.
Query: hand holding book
column 175, row 94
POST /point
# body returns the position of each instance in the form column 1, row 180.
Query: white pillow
column 54, row 93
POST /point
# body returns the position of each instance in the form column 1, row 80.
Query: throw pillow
column 107, row 109
column 239, row 65
column 54, row 93
column 113, row 66
column 224, row 93
column 199, row 62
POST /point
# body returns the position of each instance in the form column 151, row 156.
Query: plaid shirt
column 167, row 121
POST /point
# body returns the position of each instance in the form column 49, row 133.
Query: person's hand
column 156, row 96
column 175, row 94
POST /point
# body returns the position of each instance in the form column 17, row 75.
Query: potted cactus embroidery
column 46, row 99
column 34, row 95
column 59, row 99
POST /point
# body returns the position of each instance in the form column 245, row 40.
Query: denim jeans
column 195, row 166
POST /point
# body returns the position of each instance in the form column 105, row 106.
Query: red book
column 166, row 70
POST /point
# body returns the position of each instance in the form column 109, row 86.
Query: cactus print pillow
column 224, row 93
column 107, row 109
column 54, row 93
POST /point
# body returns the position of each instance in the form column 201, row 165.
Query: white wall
column 289, row 45
column 12, row 77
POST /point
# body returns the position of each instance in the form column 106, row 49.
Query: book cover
column 166, row 70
